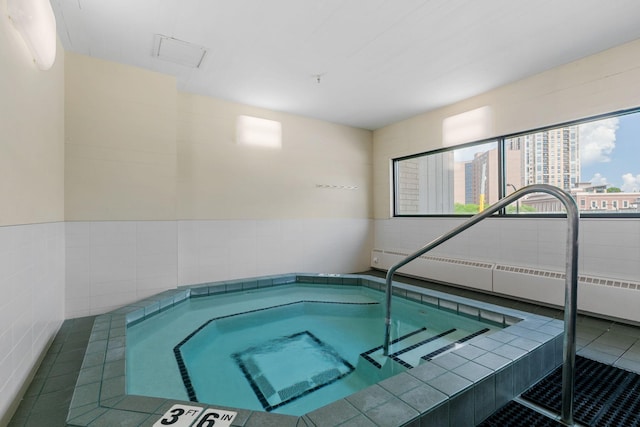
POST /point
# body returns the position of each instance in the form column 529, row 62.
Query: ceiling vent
column 178, row 51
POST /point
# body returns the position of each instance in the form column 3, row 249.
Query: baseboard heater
column 611, row 298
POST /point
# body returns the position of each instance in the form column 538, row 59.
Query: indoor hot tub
column 308, row 348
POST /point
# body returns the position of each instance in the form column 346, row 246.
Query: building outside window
column 447, row 182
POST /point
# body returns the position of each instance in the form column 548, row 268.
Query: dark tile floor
column 46, row 401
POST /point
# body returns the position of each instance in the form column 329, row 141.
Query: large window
column 596, row 161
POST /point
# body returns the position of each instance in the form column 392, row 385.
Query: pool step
column 409, row 356
column 453, row 345
column 375, row 357
column 420, row 345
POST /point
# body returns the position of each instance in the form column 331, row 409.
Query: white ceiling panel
column 379, row 61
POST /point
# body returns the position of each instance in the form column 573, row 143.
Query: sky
column 610, row 152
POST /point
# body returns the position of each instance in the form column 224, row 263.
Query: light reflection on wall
column 257, row 132
column 473, row 125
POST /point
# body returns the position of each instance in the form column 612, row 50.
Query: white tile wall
column 609, row 248
column 219, row 250
column 110, row 264
column 32, row 263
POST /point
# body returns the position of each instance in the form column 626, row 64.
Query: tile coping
column 529, row 346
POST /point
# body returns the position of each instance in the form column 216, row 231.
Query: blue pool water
column 288, row 349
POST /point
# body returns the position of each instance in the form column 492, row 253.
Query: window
column 593, row 160
column 447, row 182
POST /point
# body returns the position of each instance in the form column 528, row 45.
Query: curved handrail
column 571, row 281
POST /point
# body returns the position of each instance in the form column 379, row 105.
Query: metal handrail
column 571, row 281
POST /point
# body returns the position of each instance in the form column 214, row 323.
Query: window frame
column 502, row 190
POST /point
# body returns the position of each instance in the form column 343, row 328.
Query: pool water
column 288, row 349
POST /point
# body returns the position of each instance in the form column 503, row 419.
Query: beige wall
column 120, row 145
column 594, row 85
column 32, row 128
column 136, row 149
column 219, row 179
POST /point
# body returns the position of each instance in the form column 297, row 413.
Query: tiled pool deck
column 459, row 388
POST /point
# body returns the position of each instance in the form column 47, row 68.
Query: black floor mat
column 604, row 395
column 513, row 414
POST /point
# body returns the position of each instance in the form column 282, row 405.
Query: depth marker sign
column 184, row 416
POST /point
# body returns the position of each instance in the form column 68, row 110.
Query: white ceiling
column 379, row 61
